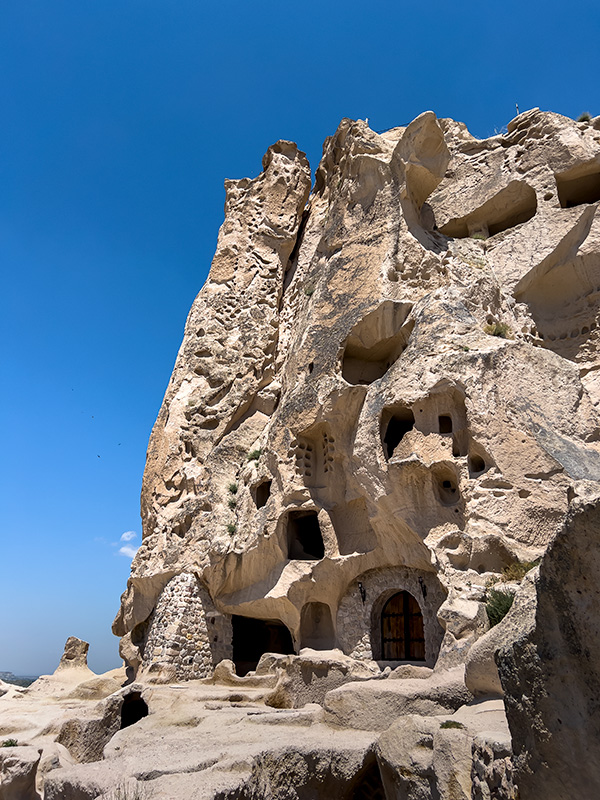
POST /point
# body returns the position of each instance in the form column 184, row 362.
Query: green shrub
column 9, row 743
column 518, row 570
column 232, row 503
column 498, row 329
column 233, row 487
column 254, row 455
column 451, row 723
column 585, row 117
column 231, row 528
column 498, row 605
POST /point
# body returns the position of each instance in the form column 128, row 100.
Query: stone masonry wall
column 186, row 632
column 358, row 621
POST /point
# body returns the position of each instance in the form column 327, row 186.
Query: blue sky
column 120, row 121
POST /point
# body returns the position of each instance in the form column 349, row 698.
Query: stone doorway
column 402, row 632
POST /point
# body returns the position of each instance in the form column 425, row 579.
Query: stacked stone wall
column 186, row 632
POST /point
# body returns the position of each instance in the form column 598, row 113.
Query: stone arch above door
column 359, row 612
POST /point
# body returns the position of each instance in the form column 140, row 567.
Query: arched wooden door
column 402, row 634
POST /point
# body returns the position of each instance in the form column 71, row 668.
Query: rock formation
column 386, row 393
column 384, row 409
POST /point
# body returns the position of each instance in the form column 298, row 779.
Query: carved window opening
column 376, row 342
column 445, row 423
column 262, row 493
column 513, row 205
column 305, row 540
column 476, row 465
column 400, row 422
column 578, row 191
column 316, row 627
column 252, row 638
column 133, row 709
column 402, row 630
column 447, row 489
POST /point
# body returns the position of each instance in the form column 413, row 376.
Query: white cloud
column 128, row 536
column 128, row 551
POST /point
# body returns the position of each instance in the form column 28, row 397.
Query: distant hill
column 18, row 680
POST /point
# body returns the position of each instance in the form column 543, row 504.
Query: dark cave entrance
column 400, row 422
column 305, row 540
column 133, row 709
column 254, row 637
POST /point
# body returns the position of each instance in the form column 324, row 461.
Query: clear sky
column 120, row 121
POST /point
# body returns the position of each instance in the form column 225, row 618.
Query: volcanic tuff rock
column 386, row 390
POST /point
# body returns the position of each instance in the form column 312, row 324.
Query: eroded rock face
column 549, row 667
column 386, row 393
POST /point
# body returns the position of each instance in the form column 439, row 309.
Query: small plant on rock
column 10, row 743
column 585, row 117
column 231, row 528
column 518, row 570
column 232, row 488
column 498, row 605
column 500, row 329
column 232, row 503
column 451, row 723
column 254, row 455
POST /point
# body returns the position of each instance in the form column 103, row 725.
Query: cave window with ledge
column 445, row 423
column 316, row 627
column 305, row 540
column 402, row 630
column 262, row 493
column 397, row 422
column 252, row 638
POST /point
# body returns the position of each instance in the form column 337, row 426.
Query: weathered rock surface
column 550, row 667
column 385, row 387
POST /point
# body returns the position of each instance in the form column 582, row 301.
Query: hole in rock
column 447, row 489
column 133, row 709
column 262, row 493
column 368, row 785
column 476, row 464
column 376, row 342
column 513, row 205
column 400, row 422
column 254, row 637
column 402, row 631
column 316, row 627
column 445, row 423
column 305, row 541
column 577, row 191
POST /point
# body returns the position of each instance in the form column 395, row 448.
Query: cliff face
column 387, row 392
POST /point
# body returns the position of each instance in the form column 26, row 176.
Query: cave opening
column 252, row 638
column 578, row 191
column 399, row 424
column 262, row 493
column 305, row 540
column 133, row 709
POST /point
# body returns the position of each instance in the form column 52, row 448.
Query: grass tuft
column 500, row 329
column 451, row 723
column 498, row 605
column 231, row 528
column 585, row 117
column 9, row 743
column 232, row 488
column 518, row 570
column 254, row 455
